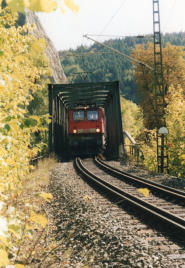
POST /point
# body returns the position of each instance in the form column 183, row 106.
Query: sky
column 110, row 17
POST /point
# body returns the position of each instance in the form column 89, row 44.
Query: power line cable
column 114, row 15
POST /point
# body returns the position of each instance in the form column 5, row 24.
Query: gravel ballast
column 93, row 232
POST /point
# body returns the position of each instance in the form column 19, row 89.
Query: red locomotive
column 86, row 129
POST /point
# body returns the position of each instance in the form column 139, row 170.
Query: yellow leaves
column 71, row 5
column 183, row 157
column 23, row 63
column 16, row 5
column 19, row 266
column 34, row 5
column 3, row 240
column 174, row 74
column 36, row 47
column 41, row 5
column 144, row 191
column 132, row 117
column 3, row 258
column 47, row 196
column 29, row 227
column 175, row 119
column 14, row 229
column 38, row 218
column 18, row 72
column 87, row 198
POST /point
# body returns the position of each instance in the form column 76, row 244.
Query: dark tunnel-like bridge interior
column 63, row 97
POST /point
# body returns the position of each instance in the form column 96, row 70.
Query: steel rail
column 173, row 222
column 177, row 194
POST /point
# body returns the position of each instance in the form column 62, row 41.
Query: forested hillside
column 137, row 85
column 103, row 65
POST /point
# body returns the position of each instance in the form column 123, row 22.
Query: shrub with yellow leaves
column 20, row 54
column 175, row 118
column 148, row 145
column 23, row 64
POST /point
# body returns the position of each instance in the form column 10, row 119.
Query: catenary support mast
column 162, row 156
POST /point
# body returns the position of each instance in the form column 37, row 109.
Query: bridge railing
column 132, row 148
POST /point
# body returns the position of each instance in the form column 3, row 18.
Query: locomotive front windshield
column 92, row 115
column 78, row 115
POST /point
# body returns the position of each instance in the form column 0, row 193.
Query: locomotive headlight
column 74, row 131
column 97, row 130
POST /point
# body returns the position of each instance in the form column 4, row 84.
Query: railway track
column 164, row 206
column 159, row 188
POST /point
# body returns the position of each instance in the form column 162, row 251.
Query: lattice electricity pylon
column 159, row 88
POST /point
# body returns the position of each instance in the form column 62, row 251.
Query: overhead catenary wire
column 93, row 51
column 114, row 15
column 118, row 36
column 121, row 53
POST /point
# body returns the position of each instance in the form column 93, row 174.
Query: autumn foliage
column 23, row 62
column 174, row 113
column 174, row 74
column 23, row 73
column 42, row 5
column 175, row 118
